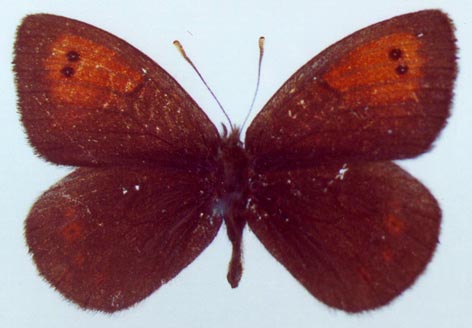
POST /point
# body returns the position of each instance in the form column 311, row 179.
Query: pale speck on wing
column 291, row 115
column 116, row 298
column 248, row 202
column 342, row 172
column 302, row 103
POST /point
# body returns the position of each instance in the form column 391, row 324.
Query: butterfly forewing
column 355, row 235
column 87, row 97
column 383, row 92
column 107, row 238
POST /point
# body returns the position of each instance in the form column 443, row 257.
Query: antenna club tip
column 261, row 44
column 177, row 43
column 180, row 48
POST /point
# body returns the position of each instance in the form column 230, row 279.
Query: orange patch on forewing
column 84, row 73
column 369, row 75
column 394, row 224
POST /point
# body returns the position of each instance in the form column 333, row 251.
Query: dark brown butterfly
column 313, row 179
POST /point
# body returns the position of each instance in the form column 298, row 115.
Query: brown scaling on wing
column 356, row 235
column 87, row 97
column 106, row 238
column 381, row 93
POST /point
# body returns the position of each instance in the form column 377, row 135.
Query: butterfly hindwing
column 107, row 238
column 381, row 93
column 87, row 97
column 355, row 235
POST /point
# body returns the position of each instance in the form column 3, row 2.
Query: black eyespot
column 395, row 54
column 401, row 69
column 67, row 71
column 73, row 56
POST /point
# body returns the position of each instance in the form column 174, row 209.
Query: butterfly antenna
column 261, row 54
column 184, row 54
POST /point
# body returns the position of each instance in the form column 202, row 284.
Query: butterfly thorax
column 233, row 162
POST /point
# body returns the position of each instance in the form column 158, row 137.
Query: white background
column 221, row 37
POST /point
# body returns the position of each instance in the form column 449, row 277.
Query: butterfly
column 313, row 179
